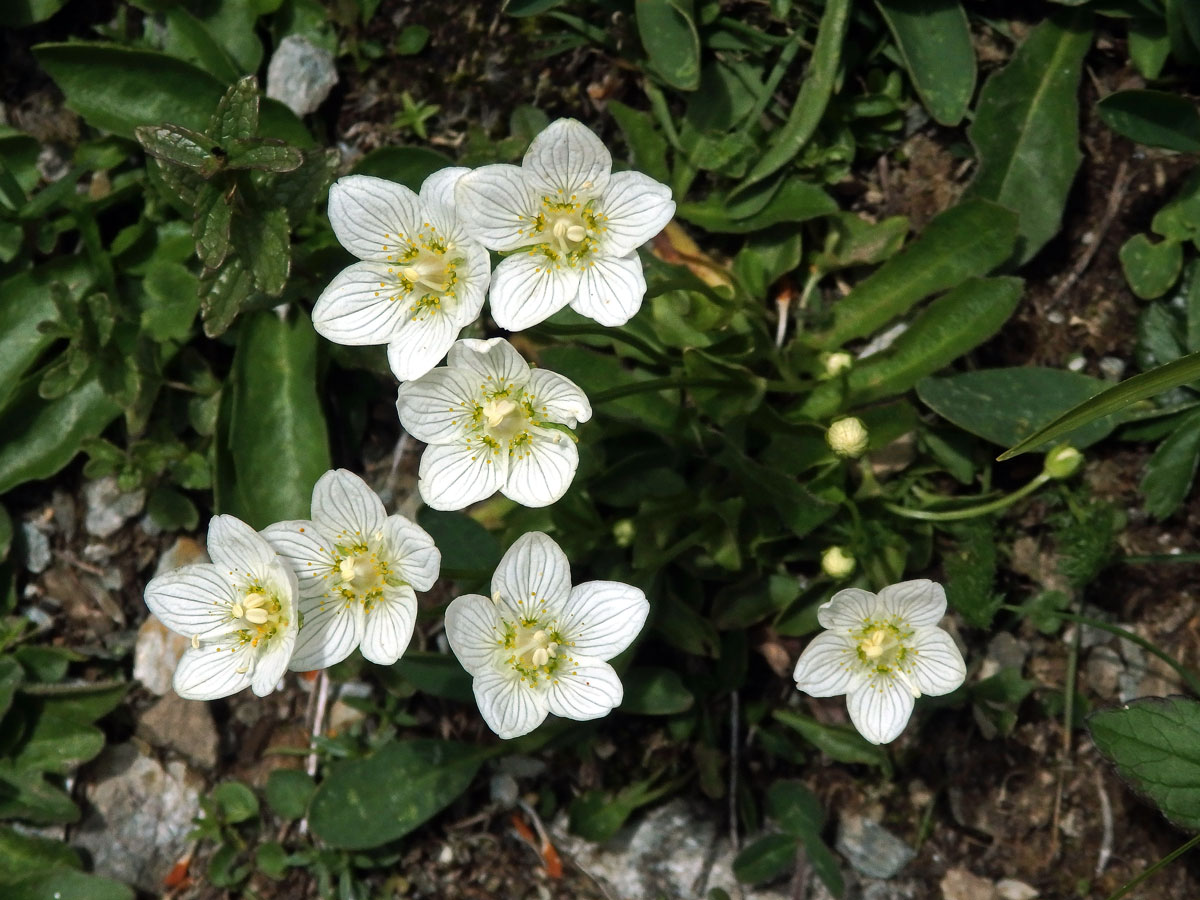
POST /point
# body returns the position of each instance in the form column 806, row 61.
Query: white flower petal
column 510, row 707
column 495, row 361
column 847, row 610
column 528, row 288
column 422, row 342
column 452, row 476
column 437, row 408
column 937, row 668
column 474, row 276
column 880, row 708
column 307, row 549
column 438, row 204
column 566, row 158
column 193, row 600
column 238, row 549
column 919, row 602
column 533, row 575
column 370, row 216
column 332, row 629
column 389, row 625
column 272, row 662
column 498, row 205
column 344, row 505
column 211, row 670
column 601, row 618
column 557, row 399
column 585, row 691
column 361, row 306
column 471, row 632
column 612, row 290
column 540, row 471
column 410, row 552
column 825, row 667
column 636, row 208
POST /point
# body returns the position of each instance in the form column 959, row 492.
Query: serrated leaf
column 301, row 190
column 1026, row 129
column 1151, row 268
column 210, row 227
column 223, row 294
column 264, row 154
column 1154, row 118
column 1170, row 471
column 264, row 246
column 364, row 803
column 181, row 147
column 183, row 183
column 236, row 117
column 934, row 40
column 1152, row 742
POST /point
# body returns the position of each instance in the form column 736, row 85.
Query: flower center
column 879, row 646
column 568, row 230
column 428, row 270
column 260, row 613
column 535, row 649
column 504, row 417
column 360, row 574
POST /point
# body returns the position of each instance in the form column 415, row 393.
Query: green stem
column 970, row 512
column 1166, row 860
column 1161, row 558
column 611, row 334
column 1188, row 677
column 656, row 384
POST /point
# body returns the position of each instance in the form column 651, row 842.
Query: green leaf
column 116, row 88
column 179, row 146
column 1026, row 130
column 1152, row 742
column 1170, row 470
column 1149, row 46
column 530, row 7
column 277, row 432
column 66, row 883
column 368, row 802
column 1149, row 268
column 794, row 201
column 809, row 107
column 171, row 303
column 964, row 241
column 288, row 792
column 22, row 13
column 6, row 536
column 236, row 802
column 841, row 742
column 1005, row 405
column 264, row 242
column 236, row 117
column 1182, row 371
column 671, row 41
column 223, row 293
column 946, row 329
column 408, row 166
column 1154, row 118
column 436, row 674
column 189, row 39
column 795, row 808
column 411, row 40
column 33, row 798
column 23, row 856
column 655, row 691
column 596, row 817
column 210, row 227
column 171, row 510
column 765, row 859
column 304, row 187
column 646, row 144
column 59, row 745
column 45, row 436
column 265, row 154
column 934, row 41
column 467, row 547
column 853, row 241
column 970, row 572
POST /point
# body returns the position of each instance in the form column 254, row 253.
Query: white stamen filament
column 497, row 410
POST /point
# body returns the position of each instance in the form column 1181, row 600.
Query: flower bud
column 847, row 437
column 623, row 532
column 1062, row 462
column 837, row 563
column 834, row 364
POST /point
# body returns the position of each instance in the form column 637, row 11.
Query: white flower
column 357, row 567
column 422, row 277
column 882, row 652
column 578, row 224
column 538, row 645
column 239, row 610
column 493, row 424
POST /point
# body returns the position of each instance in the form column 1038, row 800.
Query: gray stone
column 1111, row 367
column 139, row 817
column 37, row 548
column 156, row 653
column 960, row 884
column 870, row 848
column 185, row 726
column 108, row 507
column 300, row 75
column 1011, row 889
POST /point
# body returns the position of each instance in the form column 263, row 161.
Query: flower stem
column 611, row 334
column 1187, row 675
column 1166, row 860
column 970, row 512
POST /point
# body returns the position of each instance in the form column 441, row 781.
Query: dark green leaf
column 966, row 240
column 277, row 432
column 21, row 13
column 179, row 146
column 646, row 144
column 171, row 510
column 795, row 808
column 171, row 303
column 436, row 674
column 265, row 243
column 408, row 166
column 853, row 241
column 1151, row 268
column 236, row 118
column 236, row 802
column 188, row 38
column 6, row 536
column 596, row 817
column 288, row 792
column 841, row 742
column 765, row 859
column 364, row 803
column 67, row 884
column 24, row 856
column 1026, row 130
column 1170, row 470
column 1152, row 742
column 224, row 292
column 467, row 547
column 1154, row 118
column 655, row 691
column 794, row 201
column 411, row 40
column 58, row 745
column 1149, row 46
column 265, row 154
column 530, row 7
column 935, row 43
column 671, row 41
column 210, row 227
column 303, row 188
column 29, row 796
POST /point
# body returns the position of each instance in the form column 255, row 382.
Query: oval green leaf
column 670, row 39
column 1153, row 118
column 408, row 166
column 655, row 691
column 934, row 40
column 1151, row 268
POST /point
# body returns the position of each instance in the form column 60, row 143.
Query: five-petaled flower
column 239, row 610
column 577, row 223
column 882, row 651
column 492, row 423
column 357, row 567
column 538, row 645
column 421, row 278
